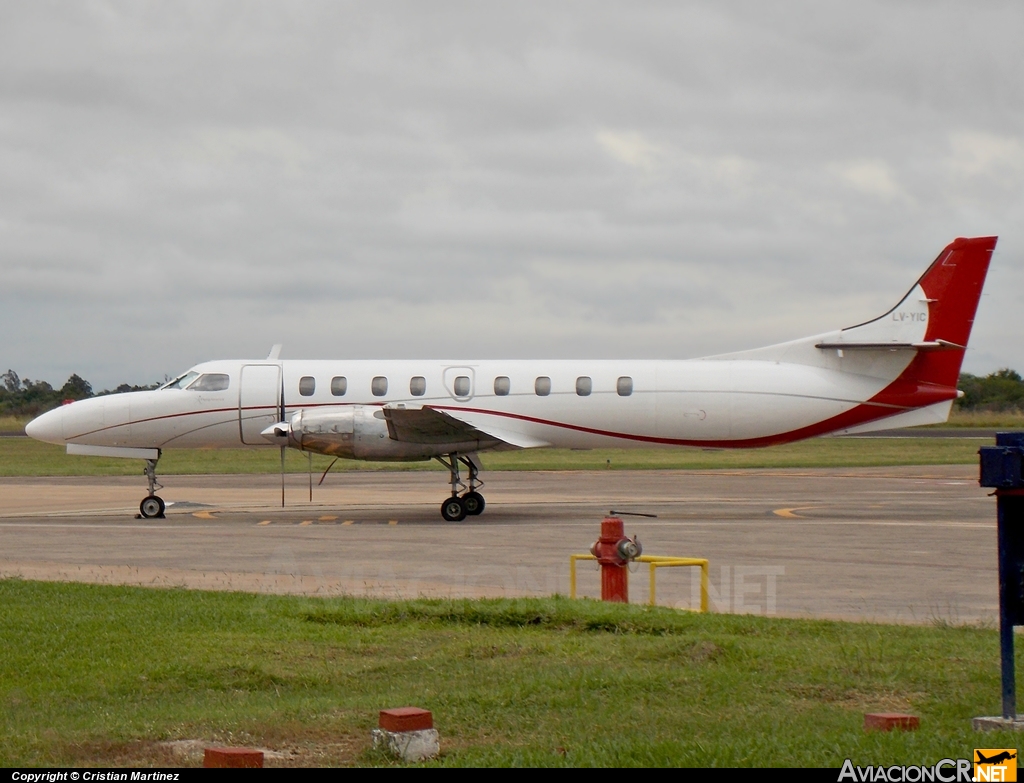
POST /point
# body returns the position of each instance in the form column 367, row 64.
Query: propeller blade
column 282, row 477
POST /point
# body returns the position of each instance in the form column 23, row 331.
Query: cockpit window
column 181, row 381
column 211, row 382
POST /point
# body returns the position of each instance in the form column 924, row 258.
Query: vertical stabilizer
column 952, row 286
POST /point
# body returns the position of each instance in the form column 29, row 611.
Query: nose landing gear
column 456, row 508
column 152, row 506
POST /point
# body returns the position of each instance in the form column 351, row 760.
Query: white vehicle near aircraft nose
column 897, row 370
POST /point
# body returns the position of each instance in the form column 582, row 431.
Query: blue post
column 1001, row 468
column 1006, row 618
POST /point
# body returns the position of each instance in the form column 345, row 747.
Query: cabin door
column 259, row 401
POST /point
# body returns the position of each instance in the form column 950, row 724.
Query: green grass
column 13, row 423
column 95, row 676
column 26, row 457
column 988, row 419
column 819, row 452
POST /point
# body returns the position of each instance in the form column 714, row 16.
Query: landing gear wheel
column 453, row 509
column 151, row 507
column 473, row 503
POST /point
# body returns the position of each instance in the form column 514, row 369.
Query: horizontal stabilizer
column 930, row 345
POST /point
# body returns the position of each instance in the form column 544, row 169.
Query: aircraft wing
column 429, row 425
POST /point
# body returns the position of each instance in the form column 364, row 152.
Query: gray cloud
column 191, row 181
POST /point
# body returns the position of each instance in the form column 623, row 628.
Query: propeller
column 275, row 352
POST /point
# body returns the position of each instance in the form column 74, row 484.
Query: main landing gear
column 152, row 506
column 471, row 503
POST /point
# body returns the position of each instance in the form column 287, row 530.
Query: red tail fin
column 953, row 282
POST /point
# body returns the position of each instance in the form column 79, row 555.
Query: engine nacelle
column 353, row 432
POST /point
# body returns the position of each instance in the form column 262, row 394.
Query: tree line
column 25, row 397
column 1000, row 391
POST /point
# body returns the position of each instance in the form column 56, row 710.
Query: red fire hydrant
column 614, row 551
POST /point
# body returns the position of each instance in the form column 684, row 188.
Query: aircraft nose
column 49, row 427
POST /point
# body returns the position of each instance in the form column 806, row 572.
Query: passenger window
column 624, row 386
column 379, row 386
column 461, row 386
column 418, row 386
column 211, row 381
column 502, row 385
column 339, row 385
column 307, row 385
column 542, row 386
column 584, row 386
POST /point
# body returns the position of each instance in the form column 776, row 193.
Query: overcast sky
column 191, row 181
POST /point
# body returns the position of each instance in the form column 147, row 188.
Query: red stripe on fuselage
column 861, row 414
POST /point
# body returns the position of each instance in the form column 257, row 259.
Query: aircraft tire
column 474, row 503
column 152, row 507
column 453, row 509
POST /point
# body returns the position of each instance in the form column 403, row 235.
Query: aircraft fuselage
column 899, row 369
column 581, row 404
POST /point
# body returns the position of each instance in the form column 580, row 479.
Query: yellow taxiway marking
column 306, row 523
column 347, row 522
column 203, row 515
column 392, row 521
column 327, row 519
column 790, row 513
column 264, row 522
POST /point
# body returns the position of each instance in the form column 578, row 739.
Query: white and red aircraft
column 898, row 370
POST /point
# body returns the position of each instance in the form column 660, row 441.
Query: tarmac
column 905, row 544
